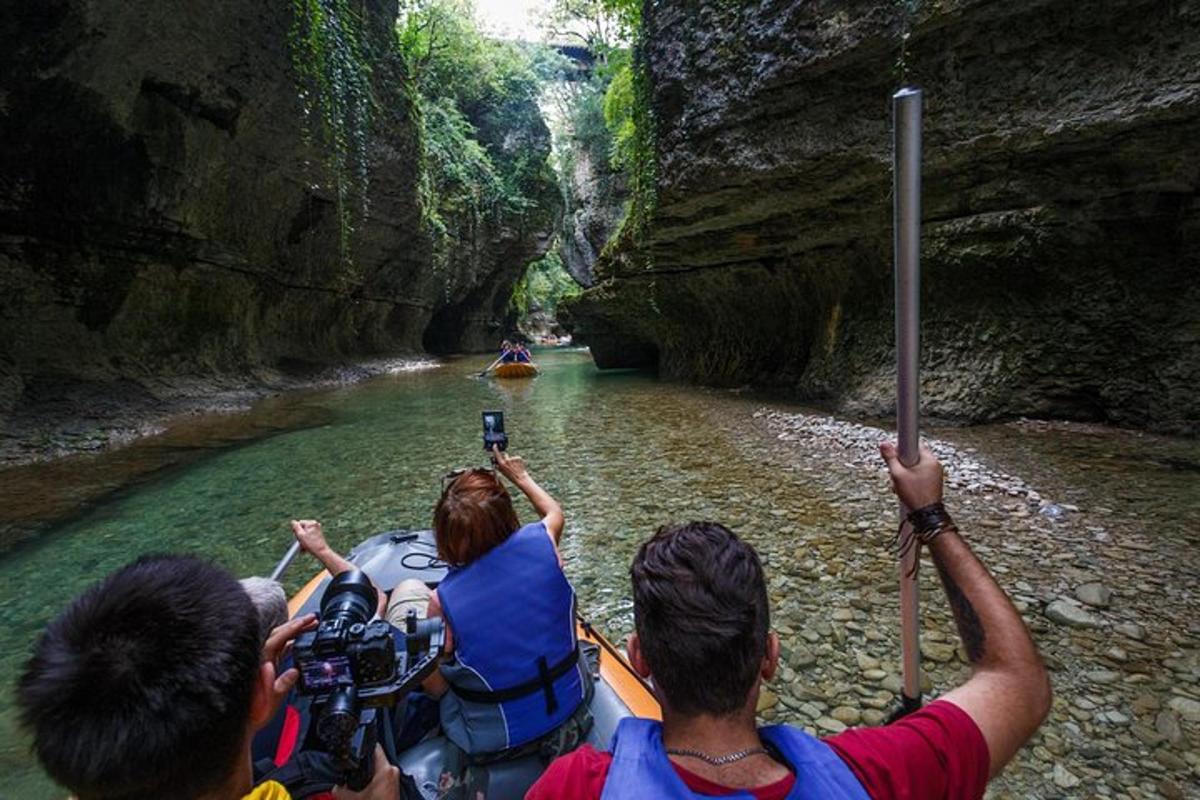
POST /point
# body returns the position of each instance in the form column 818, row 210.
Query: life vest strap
column 544, row 682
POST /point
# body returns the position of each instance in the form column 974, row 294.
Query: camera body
column 351, row 665
column 345, row 653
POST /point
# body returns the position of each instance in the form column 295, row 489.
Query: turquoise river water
column 624, row 453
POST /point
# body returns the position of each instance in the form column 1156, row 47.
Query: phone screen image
column 493, row 430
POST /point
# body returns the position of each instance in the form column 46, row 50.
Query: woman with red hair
column 514, row 674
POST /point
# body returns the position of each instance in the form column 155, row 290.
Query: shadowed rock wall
column 164, row 213
column 1061, row 233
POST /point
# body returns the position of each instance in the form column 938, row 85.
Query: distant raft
column 515, row 369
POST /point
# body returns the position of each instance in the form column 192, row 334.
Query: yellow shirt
column 270, row 790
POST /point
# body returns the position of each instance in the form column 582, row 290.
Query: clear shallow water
column 623, row 453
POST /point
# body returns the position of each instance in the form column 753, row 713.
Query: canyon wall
column 1061, row 224
column 167, row 209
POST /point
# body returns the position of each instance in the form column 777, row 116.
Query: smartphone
column 493, row 431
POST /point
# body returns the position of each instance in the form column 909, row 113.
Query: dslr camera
column 350, row 666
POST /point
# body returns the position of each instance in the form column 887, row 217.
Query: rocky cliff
column 595, row 198
column 165, row 209
column 1061, row 226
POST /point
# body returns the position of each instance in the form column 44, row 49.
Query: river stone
column 1186, row 707
column 1064, row 612
column 866, row 662
column 1132, row 630
column 846, row 714
column 872, row 716
column 1167, row 723
column 801, row 657
column 1169, row 759
column 936, row 651
column 1094, row 594
column 830, row 725
column 766, row 699
column 1103, row 676
column 1063, row 778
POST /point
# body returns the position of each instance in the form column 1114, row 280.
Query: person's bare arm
column 312, row 540
column 513, row 468
column 1008, row 694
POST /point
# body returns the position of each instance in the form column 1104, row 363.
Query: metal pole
column 906, row 131
column 285, row 562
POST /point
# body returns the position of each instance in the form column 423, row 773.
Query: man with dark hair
column 152, row 682
column 703, row 639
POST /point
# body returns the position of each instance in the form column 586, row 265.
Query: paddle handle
column 489, row 366
column 285, row 562
column 906, row 120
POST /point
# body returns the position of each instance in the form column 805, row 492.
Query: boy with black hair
column 703, row 640
column 152, row 682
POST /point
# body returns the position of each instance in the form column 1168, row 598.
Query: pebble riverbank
column 1110, row 598
column 1113, row 614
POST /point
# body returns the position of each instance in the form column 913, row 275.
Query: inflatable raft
column 514, row 370
column 435, row 763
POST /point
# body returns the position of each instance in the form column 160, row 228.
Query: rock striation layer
column 165, row 212
column 1061, row 224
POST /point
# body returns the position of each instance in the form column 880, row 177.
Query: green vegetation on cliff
column 544, row 285
column 328, row 50
column 607, row 116
column 472, row 92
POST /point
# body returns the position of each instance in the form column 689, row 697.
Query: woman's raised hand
column 511, row 467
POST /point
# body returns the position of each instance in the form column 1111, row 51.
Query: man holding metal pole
column 699, row 590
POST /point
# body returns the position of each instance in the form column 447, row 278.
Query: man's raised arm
column 1008, row 693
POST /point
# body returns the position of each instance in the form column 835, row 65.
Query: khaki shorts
column 408, row 594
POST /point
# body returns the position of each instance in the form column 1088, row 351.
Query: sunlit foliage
column 544, row 285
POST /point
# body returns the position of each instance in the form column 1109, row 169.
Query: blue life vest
column 508, row 357
column 522, row 358
column 640, row 767
column 515, row 673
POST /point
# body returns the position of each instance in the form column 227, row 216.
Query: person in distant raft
column 508, row 353
column 523, row 354
column 702, row 620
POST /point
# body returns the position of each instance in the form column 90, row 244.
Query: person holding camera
column 703, row 640
column 151, row 684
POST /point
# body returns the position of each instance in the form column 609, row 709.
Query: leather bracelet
column 929, row 518
column 922, row 526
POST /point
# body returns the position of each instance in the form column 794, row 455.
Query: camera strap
column 544, row 682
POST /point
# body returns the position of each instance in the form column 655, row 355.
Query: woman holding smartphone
column 514, row 673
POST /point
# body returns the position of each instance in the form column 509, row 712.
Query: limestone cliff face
column 1061, row 233
column 595, row 203
column 487, row 254
column 164, row 212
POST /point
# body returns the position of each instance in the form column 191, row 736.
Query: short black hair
column 141, row 688
column 700, row 607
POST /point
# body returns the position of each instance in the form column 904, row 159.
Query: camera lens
column 339, row 719
column 350, row 598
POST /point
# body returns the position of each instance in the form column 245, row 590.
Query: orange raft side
column 614, row 669
column 515, row 370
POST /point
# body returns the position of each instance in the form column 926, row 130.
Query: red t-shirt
column 937, row 752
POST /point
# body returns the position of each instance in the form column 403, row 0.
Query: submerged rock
column 1065, row 612
column 1094, row 594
